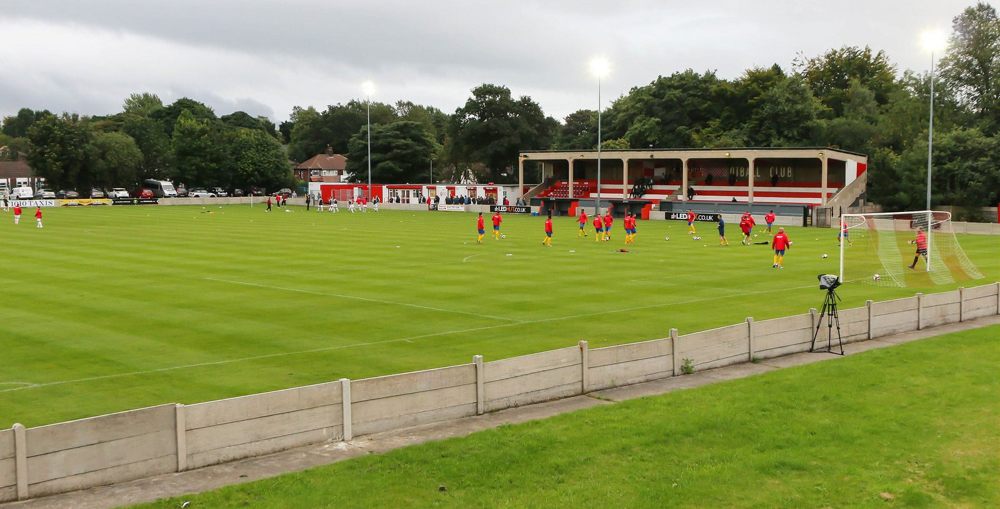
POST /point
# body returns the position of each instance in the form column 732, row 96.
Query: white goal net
column 902, row 249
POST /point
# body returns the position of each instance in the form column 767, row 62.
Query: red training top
column 583, row 218
column 780, row 241
column 769, row 217
column 921, row 240
column 608, row 220
column 479, row 223
column 548, row 226
column 597, row 222
column 692, row 216
column 17, row 210
column 497, row 219
column 38, row 215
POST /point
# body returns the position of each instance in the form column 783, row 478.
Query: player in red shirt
column 780, row 243
column 481, row 228
column 608, row 221
column 921, row 242
column 769, row 219
column 17, row 214
column 496, row 225
column 598, row 227
column 844, row 234
column 38, row 217
column 548, row 231
column 630, row 231
column 691, row 217
column 583, row 223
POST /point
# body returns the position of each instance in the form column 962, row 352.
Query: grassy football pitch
column 107, row 309
column 887, row 428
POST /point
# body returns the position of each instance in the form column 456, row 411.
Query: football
column 503, row 236
column 666, row 237
column 876, row 277
column 825, row 255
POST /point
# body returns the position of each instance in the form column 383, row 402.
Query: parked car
column 118, row 192
column 145, row 194
column 96, row 193
column 257, row 191
column 238, row 192
column 22, row 193
column 201, row 193
column 45, row 194
column 284, row 192
column 182, row 191
column 219, row 191
column 67, row 194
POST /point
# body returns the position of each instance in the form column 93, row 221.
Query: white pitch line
column 29, row 384
column 364, row 299
column 396, row 340
column 467, row 258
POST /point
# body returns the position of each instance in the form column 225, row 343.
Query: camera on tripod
column 828, row 282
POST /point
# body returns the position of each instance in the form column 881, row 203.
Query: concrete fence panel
column 532, row 378
column 613, row 366
column 228, row 429
column 940, row 308
column 980, row 301
column 101, row 450
column 716, row 347
column 854, row 324
column 892, row 316
column 782, row 336
column 398, row 401
column 8, row 467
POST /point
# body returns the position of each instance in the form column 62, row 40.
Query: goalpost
column 880, row 248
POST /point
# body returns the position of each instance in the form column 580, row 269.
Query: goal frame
column 914, row 213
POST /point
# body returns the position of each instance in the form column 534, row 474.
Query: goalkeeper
column 921, row 242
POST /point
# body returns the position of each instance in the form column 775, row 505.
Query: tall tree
column 829, row 75
column 493, row 126
column 197, row 152
column 59, row 150
column 18, row 125
column 401, row 152
column 972, row 64
column 257, row 160
column 115, row 160
column 142, row 104
column 579, row 131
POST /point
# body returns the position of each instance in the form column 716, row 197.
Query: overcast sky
column 265, row 56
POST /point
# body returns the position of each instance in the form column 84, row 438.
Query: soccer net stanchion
column 879, row 249
column 828, row 282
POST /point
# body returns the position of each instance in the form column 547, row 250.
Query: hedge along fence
column 167, row 438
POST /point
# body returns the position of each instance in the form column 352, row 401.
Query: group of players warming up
column 780, row 242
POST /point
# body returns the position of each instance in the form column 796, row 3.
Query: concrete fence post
column 675, row 353
column 345, row 397
column 751, row 340
column 21, row 461
column 920, row 311
column 480, row 385
column 961, row 304
column 998, row 298
column 812, row 321
column 868, row 306
column 180, row 426
column 584, row 367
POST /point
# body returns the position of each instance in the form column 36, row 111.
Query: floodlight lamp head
column 934, row 40
column 368, row 87
column 600, row 67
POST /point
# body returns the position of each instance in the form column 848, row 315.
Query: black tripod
column 830, row 312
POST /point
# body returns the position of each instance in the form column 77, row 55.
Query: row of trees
column 183, row 142
column 851, row 97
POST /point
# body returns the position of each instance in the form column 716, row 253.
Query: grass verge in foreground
column 914, row 425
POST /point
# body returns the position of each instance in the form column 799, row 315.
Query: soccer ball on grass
column 876, row 278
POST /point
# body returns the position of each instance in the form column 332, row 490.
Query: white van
column 22, row 193
column 160, row 188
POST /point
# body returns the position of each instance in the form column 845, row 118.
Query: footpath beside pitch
column 262, row 467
